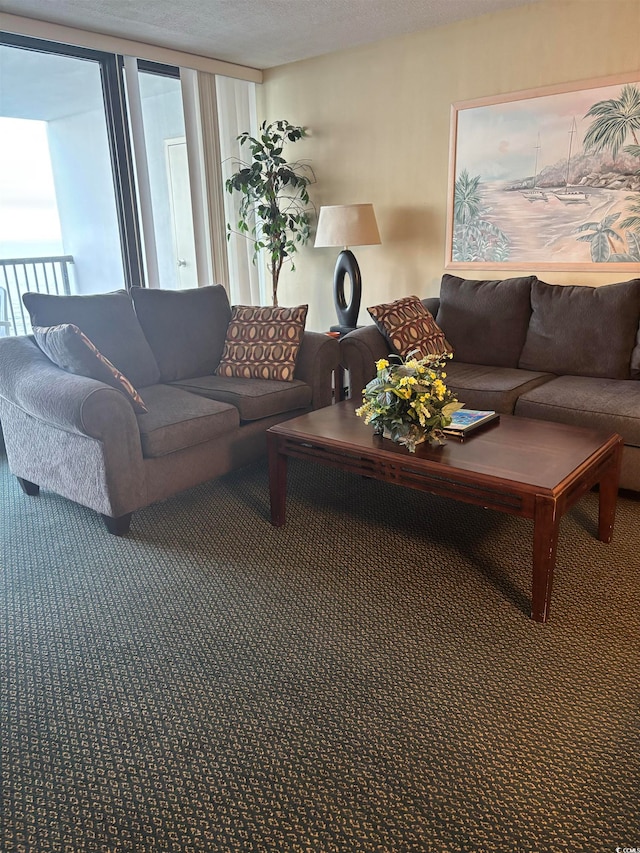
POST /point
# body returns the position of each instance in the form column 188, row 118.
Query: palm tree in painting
column 632, row 221
column 615, row 120
column 467, row 202
column 601, row 238
column 475, row 238
column 632, row 254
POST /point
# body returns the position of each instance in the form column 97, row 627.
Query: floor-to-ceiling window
column 168, row 175
column 66, row 198
column 97, row 176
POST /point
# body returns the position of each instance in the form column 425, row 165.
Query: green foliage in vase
column 274, row 209
column 409, row 400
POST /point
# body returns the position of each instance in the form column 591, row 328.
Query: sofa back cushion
column 635, row 358
column 110, row 323
column 583, row 331
column 185, row 328
column 485, row 321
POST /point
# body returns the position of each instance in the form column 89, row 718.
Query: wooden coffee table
column 530, row 468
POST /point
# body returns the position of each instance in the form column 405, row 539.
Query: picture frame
column 547, row 179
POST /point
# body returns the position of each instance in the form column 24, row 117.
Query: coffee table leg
column 609, row 495
column 545, row 542
column 277, row 481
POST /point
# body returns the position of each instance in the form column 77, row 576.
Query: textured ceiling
column 256, row 33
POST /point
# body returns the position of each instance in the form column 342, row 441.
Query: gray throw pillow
column 109, row 321
column 71, row 349
column 185, row 328
column 583, row 331
column 485, row 321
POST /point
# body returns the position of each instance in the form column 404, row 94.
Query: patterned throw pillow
column 408, row 326
column 71, row 349
column 262, row 342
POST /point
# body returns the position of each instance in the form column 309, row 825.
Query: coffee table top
column 533, row 453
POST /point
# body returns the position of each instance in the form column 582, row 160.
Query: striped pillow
column 71, row 349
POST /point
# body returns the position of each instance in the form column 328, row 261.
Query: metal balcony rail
column 19, row 275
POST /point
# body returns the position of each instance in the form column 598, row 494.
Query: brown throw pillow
column 262, row 342
column 409, row 327
column 71, row 349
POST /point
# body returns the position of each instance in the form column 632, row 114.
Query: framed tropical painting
column 547, row 179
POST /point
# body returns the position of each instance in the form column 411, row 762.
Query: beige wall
column 379, row 121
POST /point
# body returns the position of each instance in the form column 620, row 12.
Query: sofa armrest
column 432, row 304
column 318, row 357
column 32, row 383
column 73, row 435
column 360, row 350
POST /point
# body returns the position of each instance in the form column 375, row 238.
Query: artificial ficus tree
column 274, row 209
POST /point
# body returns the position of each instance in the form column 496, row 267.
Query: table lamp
column 347, row 225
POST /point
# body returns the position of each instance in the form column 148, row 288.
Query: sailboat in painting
column 567, row 195
column 535, row 194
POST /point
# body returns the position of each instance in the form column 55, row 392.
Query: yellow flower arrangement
column 409, row 401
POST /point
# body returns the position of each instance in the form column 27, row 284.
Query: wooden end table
column 529, row 468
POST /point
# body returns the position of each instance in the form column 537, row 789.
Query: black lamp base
column 343, row 330
column 347, row 311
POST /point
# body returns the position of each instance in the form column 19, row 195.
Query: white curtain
column 236, row 101
column 217, row 109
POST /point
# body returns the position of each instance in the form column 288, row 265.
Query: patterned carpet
column 364, row 679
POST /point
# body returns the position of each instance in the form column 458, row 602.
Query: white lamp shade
column 347, row 225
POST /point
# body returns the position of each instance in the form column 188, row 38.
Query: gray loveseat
column 521, row 346
column 82, row 439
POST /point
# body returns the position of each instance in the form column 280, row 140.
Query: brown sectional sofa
column 81, row 438
column 521, row 346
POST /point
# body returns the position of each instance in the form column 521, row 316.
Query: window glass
column 168, row 173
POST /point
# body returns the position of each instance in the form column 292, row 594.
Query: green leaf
column 449, row 408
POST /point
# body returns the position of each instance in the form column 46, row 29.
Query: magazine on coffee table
column 465, row 421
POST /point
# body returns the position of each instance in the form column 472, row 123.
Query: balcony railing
column 19, row 275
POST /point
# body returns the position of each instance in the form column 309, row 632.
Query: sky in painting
column 498, row 142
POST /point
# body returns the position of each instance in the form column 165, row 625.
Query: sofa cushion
column 635, row 358
column 177, row 419
column 610, row 405
column 262, row 342
column 409, row 327
column 485, row 321
column 572, row 329
column 498, row 388
column 185, row 328
column 72, row 350
column 253, row 398
column 109, row 321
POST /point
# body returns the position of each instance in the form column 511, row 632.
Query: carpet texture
column 365, row 678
